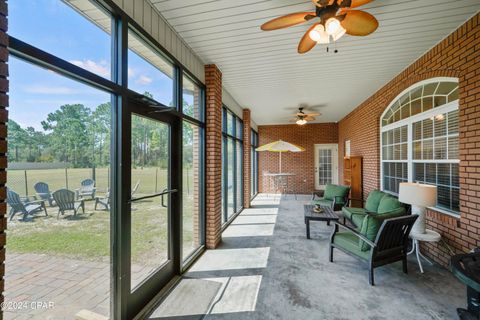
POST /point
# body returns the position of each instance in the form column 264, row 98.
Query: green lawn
column 87, row 236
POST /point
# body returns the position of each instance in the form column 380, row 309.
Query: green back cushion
column 332, row 191
column 373, row 200
column 329, row 193
column 388, row 203
column 371, row 225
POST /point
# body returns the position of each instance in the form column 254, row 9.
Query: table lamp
column 420, row 196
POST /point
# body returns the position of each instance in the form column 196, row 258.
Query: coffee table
column 327, row 215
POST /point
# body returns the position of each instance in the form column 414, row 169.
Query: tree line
column 80, row 137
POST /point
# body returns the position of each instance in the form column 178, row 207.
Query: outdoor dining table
column 279, row 180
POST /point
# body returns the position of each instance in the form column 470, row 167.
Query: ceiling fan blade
column 307, row 44
column 312, row 114
column 359, row 23
column 310, row 118
column 287, row 21
column 358, row 3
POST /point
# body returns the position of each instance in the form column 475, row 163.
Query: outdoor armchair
column 65, row 200
column 384, row 241
column 43, row 192
column 104, row 201
column 87, row 189
column 17, row 205
column 334, row 196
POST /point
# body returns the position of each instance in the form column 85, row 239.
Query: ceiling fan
column 302, row 118
column 337, row 17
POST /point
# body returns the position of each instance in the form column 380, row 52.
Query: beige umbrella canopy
column 280, row 146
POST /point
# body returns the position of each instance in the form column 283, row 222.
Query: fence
column 152, row 180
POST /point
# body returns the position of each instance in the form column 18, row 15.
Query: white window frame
column 446, row 108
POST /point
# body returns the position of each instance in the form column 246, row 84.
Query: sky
column 52, row 26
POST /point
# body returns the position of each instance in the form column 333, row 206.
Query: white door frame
column 334, row 148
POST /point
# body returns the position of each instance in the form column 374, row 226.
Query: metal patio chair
column 389, row 244
column 43, row 192
column 65, row 200
column 87, row 189
column 25, row 207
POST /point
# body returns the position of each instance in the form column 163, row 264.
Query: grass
column 87, row 236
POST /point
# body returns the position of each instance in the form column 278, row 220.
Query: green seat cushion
column 323, row 202
column 371, row 225
column 373, row 200
column 349, row 242
column 388, row 204
column 349, row 212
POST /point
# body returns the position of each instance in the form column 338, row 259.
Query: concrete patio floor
column 265, row 268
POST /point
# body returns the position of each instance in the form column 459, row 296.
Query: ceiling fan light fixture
column 341, row 31
column 319, row 35
column 332, row 26
column 301, row 122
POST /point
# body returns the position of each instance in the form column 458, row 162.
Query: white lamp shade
column 422, row 195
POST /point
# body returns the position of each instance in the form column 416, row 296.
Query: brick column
column 213, row 174
column 3, row 136
column 247, row 152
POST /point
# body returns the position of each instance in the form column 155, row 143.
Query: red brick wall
column 213, row 174
column 3, row 136
column 247, row 139
column 458, row 55
column 302, row 163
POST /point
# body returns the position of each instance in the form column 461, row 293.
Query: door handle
column 163, row 197
column 161, row 194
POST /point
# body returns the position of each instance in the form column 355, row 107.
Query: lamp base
column 419, row 226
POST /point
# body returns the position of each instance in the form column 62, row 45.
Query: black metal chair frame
column 390, row 245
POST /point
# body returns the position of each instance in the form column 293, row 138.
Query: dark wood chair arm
column 361, row 236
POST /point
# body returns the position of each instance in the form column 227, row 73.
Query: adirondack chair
column 25, row 207
column 135, row 188
column 87, row 189
column 65, row 200
column 43, row 192
column 105, row 200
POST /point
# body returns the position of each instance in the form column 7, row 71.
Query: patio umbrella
column 280, row 146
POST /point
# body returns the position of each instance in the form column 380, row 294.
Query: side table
column 428, row 236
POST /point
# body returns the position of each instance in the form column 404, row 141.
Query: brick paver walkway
column 62, row 286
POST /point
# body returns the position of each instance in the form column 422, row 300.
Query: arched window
column 419, row 140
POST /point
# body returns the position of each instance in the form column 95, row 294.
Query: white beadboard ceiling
column 263, row 71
